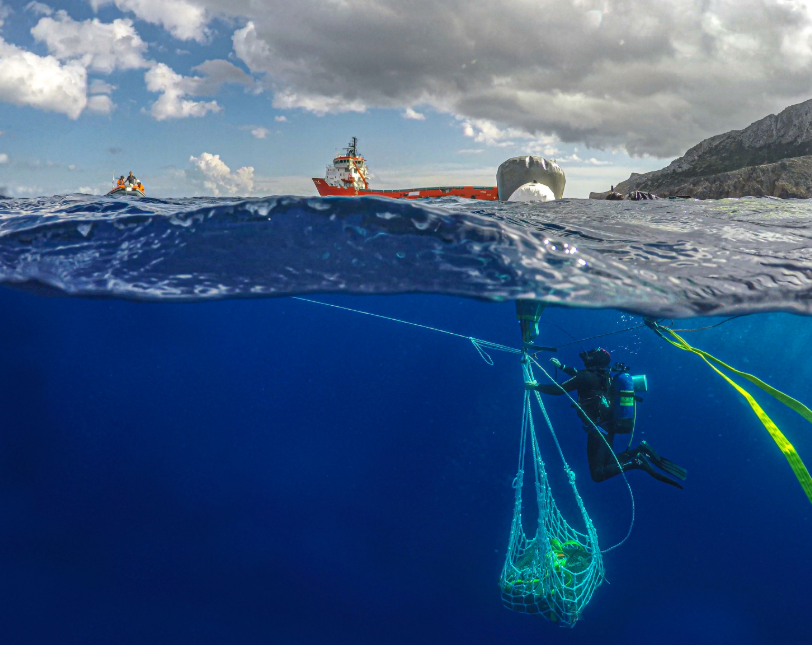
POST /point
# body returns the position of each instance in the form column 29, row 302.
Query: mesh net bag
column 555, row 572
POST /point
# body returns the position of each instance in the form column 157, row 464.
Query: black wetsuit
column 592, row 385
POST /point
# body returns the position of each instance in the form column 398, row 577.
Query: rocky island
column 771, row 157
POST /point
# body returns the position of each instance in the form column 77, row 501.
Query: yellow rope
column 781, row 441
column 787, row 400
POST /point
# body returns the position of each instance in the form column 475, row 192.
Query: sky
column 239, row 97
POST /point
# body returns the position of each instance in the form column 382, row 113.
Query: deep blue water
column 271, row 471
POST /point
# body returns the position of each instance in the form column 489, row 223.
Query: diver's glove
column 531, row 385
column 556, row 363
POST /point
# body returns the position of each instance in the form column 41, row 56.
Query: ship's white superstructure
column 348, row 170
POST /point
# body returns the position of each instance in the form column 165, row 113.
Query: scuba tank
column 623, row 401
column 624, row 407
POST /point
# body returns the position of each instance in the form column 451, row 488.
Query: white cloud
column 470, row 151
column 39, row 8
column 216, row 73
column 251, row 49
column 4, row 12
column 103, row 47
column 489, row 133
column 211, row 173
column 575, row 159
column 184, row 19
column 173, row 88
column 409, row 113
column 98, row 86
column 255, row 53
column 41, row 81
column 101, row 104
column 3, row 158
column 260, row 133
column 174, row 182
column 319, row 105
column 651, row 76
column 280, row 119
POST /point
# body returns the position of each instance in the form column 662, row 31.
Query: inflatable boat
column 126, row 191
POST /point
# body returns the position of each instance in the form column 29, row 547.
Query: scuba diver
column 595, row 386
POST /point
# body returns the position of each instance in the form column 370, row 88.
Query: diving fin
column 663, row 464
column 641, row 462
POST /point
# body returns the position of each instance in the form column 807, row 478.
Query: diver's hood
column 597, row 357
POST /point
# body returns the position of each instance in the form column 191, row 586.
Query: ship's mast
column 352, row 149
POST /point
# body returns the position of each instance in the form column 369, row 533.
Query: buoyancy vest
column 594, row 402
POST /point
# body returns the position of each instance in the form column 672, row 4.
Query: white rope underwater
column 554, row 571
column 480, row 346
column 586, row 416
column 478, row 343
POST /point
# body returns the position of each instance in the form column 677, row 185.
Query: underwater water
column 184, row 459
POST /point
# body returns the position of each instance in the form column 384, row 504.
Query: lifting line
column 586, row 416
column 620, row 331
column 795, row 462
column 480, row 346
column 478, row 343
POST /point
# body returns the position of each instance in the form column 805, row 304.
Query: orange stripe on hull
column 471, row 192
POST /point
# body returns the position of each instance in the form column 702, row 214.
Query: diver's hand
column 531, row 385
column 556, row 363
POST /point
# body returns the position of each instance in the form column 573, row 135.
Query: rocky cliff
column 772, row 156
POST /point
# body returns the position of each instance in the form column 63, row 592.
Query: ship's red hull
column 471, row 192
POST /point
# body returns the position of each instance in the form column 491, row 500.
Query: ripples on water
column 664, row 258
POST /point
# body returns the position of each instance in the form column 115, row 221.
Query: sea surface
column 190, row 454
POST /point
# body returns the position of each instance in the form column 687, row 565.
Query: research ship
column 348, row 177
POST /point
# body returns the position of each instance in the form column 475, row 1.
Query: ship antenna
column 353, row 149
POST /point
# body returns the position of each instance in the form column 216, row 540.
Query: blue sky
column 213, row 97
